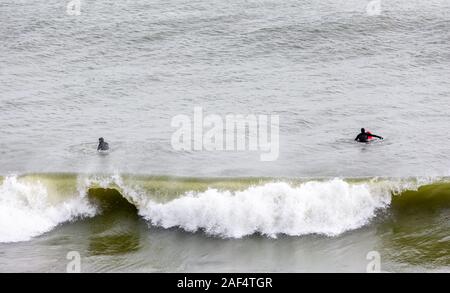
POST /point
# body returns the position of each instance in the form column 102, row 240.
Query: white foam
column 328, row 208
column 316, row 207
column 26, row 212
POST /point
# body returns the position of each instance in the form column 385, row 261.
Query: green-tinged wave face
column 115, row 230
column 165, row 188
column 110, row 200
column 161, row 188
column 58, row 186
column 411, row 216
column 429, row 198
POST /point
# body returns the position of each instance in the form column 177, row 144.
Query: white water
column 328, row 208
column 316, row 207
column 26, row 212
column 123, row 70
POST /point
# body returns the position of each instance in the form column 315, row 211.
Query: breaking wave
column 31, row 205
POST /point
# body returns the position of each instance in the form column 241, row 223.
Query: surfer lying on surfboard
column 366, row 136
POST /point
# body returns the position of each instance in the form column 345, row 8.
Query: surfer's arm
column 357, row 138
column 377, row 136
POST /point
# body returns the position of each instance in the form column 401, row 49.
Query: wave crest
column 328, row 208
column 31, row 205
column 26, row 210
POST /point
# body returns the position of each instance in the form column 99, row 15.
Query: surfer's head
column 363, row 130
column 101, row 139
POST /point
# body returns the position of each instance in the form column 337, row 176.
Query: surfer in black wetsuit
column 102, row 145
column 365, row 136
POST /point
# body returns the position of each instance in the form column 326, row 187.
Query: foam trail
column 329, row 208
column 26, row 212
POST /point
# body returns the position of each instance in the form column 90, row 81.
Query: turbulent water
column 111, row 216
column 124, row 69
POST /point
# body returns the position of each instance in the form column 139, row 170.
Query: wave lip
column 329, row 208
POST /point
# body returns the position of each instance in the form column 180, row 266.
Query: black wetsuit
column 103, row 146
column 364, row 137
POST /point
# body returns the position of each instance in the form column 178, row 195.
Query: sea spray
column 26, row 211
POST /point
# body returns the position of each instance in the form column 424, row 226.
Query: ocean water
column 124, row 69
